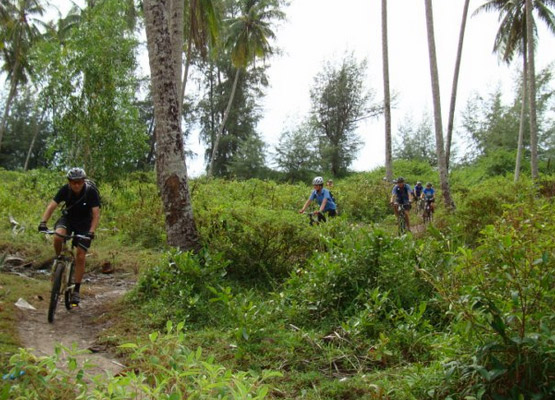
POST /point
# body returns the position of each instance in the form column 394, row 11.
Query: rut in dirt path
column 80, row 326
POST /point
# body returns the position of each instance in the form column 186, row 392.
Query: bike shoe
column 75, row 299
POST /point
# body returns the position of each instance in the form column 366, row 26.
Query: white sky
column 322, row 30
column 317, row 31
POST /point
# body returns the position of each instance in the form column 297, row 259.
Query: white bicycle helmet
column 318, row 181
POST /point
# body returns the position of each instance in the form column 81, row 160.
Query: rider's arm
column 49, row 210
column 323, row 205
column 95, row 218
column 305, row 205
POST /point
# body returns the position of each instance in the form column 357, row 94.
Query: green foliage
column 163, row 367
column 504, row 292
column 415, row 142
column 89, row 81
column 339, row 100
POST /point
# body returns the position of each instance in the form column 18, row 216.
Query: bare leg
column 80, row 264
column 59, row 241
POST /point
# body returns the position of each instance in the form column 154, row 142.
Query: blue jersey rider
column 323, row 198
column 428, row 194
column 400, row 194
column 418, row 190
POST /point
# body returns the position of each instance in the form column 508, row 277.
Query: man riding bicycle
column 400, row 194
column 80, row 215
column 323, row 198
column 428, row 194
column 418, row 190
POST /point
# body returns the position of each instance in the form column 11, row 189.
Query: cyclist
column 418, row 190
column 323, row 198
column 80, row 215
column 400, row 194
column 428, row 194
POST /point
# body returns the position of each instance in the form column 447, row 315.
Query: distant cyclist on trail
column 400, row 194
column 80, row 215
column 418, row 190
column 428, row 194
column 323, row 198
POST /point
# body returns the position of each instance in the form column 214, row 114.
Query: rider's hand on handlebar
column 42, row 226
column 90, row 235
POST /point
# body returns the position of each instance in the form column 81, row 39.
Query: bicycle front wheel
column 402, row 223
column 69, row 287
column 55, row 293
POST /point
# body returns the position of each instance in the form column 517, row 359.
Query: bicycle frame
column 62, row 275
column 401, row 221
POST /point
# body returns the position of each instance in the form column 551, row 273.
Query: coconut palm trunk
column 11, row 95
column 387, row 96
column 520, row 146
column 532, row 92
column 171, row 169
column 222, row 124
column 442, row 164
column 450, row 121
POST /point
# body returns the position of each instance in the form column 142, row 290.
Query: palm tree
column 20, row 32
column 387, row 96
column 248, row 38
column 440, row 150
column 171, row 169
column 203, row 31
column 512, row 37
column 451, row 119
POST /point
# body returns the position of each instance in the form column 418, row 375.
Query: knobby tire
column 402, row 222
column 55, row 293
column 68, row 291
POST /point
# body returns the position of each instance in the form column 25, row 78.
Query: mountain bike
column 401, row 221
column 428, row 214
column 63, row 269
column 315, row 218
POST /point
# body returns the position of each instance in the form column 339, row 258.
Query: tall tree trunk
column 520, row 146
column 36, row 130
column 176, row 35
column 11, row 95
column 222, row 125
column 386, row 96
column 442, row 164
column 451, row 119
column 170, row 155
column 186, row 70
column 532, row 92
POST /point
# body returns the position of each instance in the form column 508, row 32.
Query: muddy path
column 80, row 327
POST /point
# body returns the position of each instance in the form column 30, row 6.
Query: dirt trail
column 80, row 326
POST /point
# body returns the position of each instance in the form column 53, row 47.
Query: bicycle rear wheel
column 69, row 289
column 55, row 293
column 402, row 223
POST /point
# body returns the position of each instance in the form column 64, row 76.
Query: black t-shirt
column 78, row 206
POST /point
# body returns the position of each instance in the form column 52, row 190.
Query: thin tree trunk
column 11, row 95
column 520, row 146
column 186, row 70
column 387, row 96
column 443, row 177
column 451, row 119
column 35, row 134
column 532, row 92
column 170, row 155
column 221, row 128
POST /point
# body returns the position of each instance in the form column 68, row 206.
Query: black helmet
column 400, row 179
column 75, row 174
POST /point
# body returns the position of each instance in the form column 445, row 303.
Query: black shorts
column 78, row 227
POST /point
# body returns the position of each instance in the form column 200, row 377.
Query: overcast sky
column 323, row 30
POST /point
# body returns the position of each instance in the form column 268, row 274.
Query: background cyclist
column 323, row 198
column 428, row 194
column 80, row 215
column 400, row 194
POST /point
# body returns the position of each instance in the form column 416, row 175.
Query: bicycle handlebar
column 66, row 237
